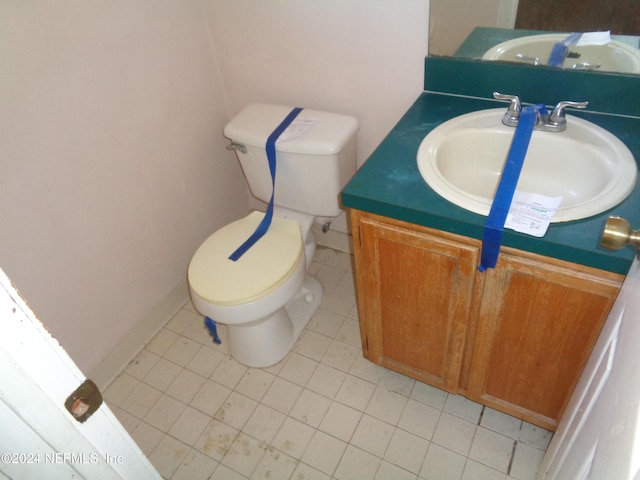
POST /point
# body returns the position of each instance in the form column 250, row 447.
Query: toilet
column 266, row 298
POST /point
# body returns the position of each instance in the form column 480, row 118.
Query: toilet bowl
column 265, row 298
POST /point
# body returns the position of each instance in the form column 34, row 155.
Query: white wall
column 363, row 58
column 112, row 163
column 358, row 57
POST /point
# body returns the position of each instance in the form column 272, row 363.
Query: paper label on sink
column 531, row 213
column 594, row 38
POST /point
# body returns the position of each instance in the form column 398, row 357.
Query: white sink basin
column 614, row 57
column 592, row 170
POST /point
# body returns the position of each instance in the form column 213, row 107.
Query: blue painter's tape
column 262, row 228
column 561, row 49
column 494, row 225
column 213, row 330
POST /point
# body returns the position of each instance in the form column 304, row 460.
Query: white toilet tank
column 311, row 168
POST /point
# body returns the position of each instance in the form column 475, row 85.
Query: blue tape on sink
column 494, row 225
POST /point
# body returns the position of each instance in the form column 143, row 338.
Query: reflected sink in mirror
column 536, row 49
column 592, row 170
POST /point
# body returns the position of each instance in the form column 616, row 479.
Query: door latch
column 84, row 401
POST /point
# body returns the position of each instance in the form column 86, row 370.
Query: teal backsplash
column 612, row 93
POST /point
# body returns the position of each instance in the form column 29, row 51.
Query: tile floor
column 324, row 412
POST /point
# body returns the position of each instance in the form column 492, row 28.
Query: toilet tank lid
column 327, row 133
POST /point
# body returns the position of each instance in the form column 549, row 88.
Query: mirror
column 486, row 24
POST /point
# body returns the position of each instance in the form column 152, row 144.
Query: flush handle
column 237, row 146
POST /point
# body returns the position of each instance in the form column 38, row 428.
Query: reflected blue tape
column 561, row 49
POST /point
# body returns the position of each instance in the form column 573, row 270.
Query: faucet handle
column 512, row 115
column 557, row 115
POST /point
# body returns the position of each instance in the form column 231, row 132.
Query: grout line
column 513, row 456
column 481, row 415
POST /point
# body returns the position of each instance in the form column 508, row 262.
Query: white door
column 39, row 438
column 598, row 437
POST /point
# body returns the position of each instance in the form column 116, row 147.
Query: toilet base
column 267, row 341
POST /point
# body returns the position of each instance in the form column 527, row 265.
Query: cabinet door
column 538, row 323
column 415, row 294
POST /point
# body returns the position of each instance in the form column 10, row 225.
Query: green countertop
column 390, row 184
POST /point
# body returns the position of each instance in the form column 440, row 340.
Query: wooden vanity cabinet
column 539, row 320
column 515, row 338
column 416, row 297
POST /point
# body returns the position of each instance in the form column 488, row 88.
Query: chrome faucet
column 548, row 122
column 512, row 115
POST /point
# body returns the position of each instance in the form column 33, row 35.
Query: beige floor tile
column 322, row 412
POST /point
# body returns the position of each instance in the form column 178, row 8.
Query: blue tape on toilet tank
column 271, row 156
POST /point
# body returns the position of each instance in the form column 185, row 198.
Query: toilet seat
column 261, row 270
